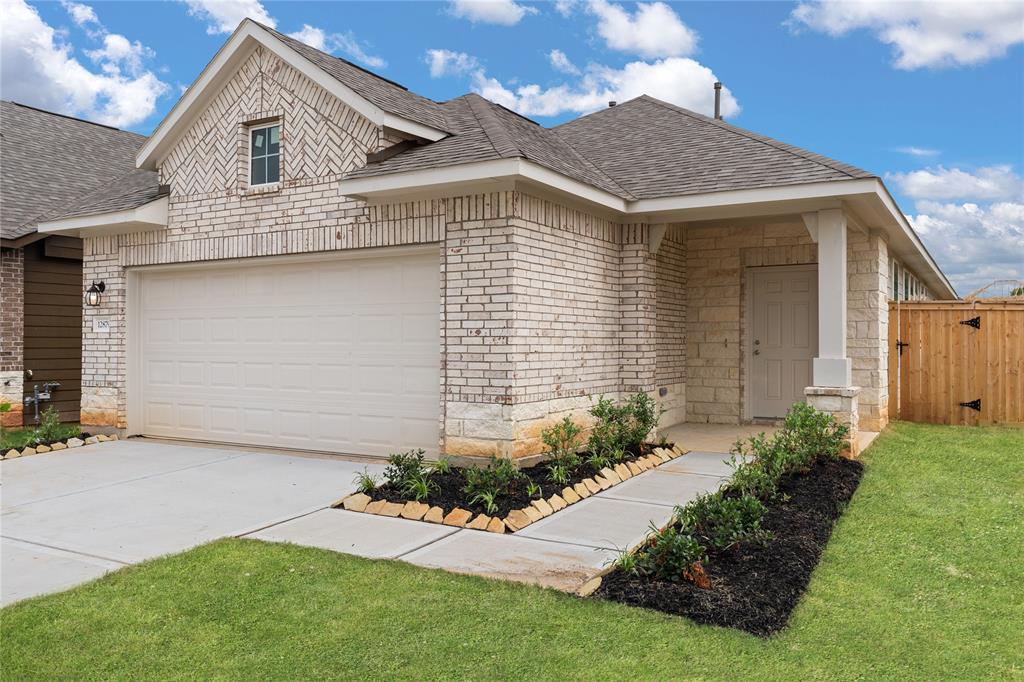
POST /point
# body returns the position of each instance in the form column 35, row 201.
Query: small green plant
column 814, row 433
column 5, row 407
column 597, row 461
column 559, row 473
column 723, row 522
column 642, row 416
column 405, row 467
column 533, row 489
column 50, row 428
column 562, row 440
column 625, row 561
column 419, row 486
column 366, row 482
column 486, row 498
column 497, row 478
column 442, row 466
column 620, row 429
column 670, row 554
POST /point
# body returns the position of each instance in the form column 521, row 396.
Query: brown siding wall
column 53, row 323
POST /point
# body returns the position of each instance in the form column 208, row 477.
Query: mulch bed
column 450, row 494
column 756, row 586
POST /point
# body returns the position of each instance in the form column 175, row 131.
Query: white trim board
column 145, row 218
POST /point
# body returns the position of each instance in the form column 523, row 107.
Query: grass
column 20, row 437
column 922, row 580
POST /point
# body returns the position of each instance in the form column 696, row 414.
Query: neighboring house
column 49, row 164
column 343, row 265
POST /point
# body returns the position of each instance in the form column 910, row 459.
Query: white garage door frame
column 134, row 319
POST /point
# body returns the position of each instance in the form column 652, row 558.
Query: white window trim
column 252, row 131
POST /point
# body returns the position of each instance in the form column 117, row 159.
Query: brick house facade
column 546, row 301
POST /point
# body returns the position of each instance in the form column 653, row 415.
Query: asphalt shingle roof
column 484, row 131
column 388, row 95
column 656, row 149
column 48, row 161
column 131, row 190
column 641, row 149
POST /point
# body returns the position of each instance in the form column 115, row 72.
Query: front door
column 784, row 336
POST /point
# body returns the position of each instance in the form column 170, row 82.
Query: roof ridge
column 500, row 139
column 813, row 157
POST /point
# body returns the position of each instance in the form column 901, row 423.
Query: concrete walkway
column 71, row 516
column 562, row 551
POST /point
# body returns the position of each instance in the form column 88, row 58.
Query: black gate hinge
column 974, row 404
column 973, row 322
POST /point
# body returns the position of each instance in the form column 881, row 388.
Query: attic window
column 265, row 154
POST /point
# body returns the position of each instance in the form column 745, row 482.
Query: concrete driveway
column 71, row 516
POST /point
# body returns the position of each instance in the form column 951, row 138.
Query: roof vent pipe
column 612, row 104
column 718, row 100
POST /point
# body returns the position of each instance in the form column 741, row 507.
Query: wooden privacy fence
column 957, row 362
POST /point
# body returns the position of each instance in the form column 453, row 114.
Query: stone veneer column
column 12, row 367
column 638, row 311
column 841, row 403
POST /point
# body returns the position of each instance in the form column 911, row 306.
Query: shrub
column 405, row 467
column 495, row 479
column 562, row 440
column 722, row 522
column 622, row 428
column 366, row 482
column 815, row 434
column 642, row 415
column 50, row 428
column 671, row 554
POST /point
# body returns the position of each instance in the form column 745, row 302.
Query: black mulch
column 450, row 495
column 755, row 587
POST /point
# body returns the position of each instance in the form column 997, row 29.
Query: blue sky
column 930, row 96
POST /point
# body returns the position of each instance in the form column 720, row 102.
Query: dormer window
column 264, row 154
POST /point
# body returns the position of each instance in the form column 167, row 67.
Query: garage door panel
column 339, row 355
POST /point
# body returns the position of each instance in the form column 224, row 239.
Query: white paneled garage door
column 339, row 354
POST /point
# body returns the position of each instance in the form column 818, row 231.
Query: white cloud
column 654, row 30
column 973, row 244
column 560, row 62
column 37, row 67
column 917, row 151
column 678, row 80
column 565, row 7
column 449, row 63
column 224, row 16
column 502, row 12
column 120, row 53
column 923, row 34
column 346, row 43
column 991, row 183
column 83, row 15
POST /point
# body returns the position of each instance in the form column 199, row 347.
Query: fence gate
column 956, row 362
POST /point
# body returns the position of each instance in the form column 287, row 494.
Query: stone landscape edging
column 56, row 446
column 517, row 519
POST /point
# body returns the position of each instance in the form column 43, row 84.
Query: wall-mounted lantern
column 94, row 293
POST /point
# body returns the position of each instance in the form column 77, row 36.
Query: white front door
column 783, row 340
column 338, row 354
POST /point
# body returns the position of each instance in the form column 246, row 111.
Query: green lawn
column 923, row 579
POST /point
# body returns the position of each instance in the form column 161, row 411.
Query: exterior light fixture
column 94, row 293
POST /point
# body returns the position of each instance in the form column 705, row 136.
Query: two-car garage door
column 336, row 354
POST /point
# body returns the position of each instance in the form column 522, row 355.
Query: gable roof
column 383, row 102
column 48, row 161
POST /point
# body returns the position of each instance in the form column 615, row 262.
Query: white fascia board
column 911, row 234
column 148, row 217
column 498, row 169
column 222, row 66
column 814, row 190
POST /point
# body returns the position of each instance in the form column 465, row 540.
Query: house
column 49, row 163
column 343, row 265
